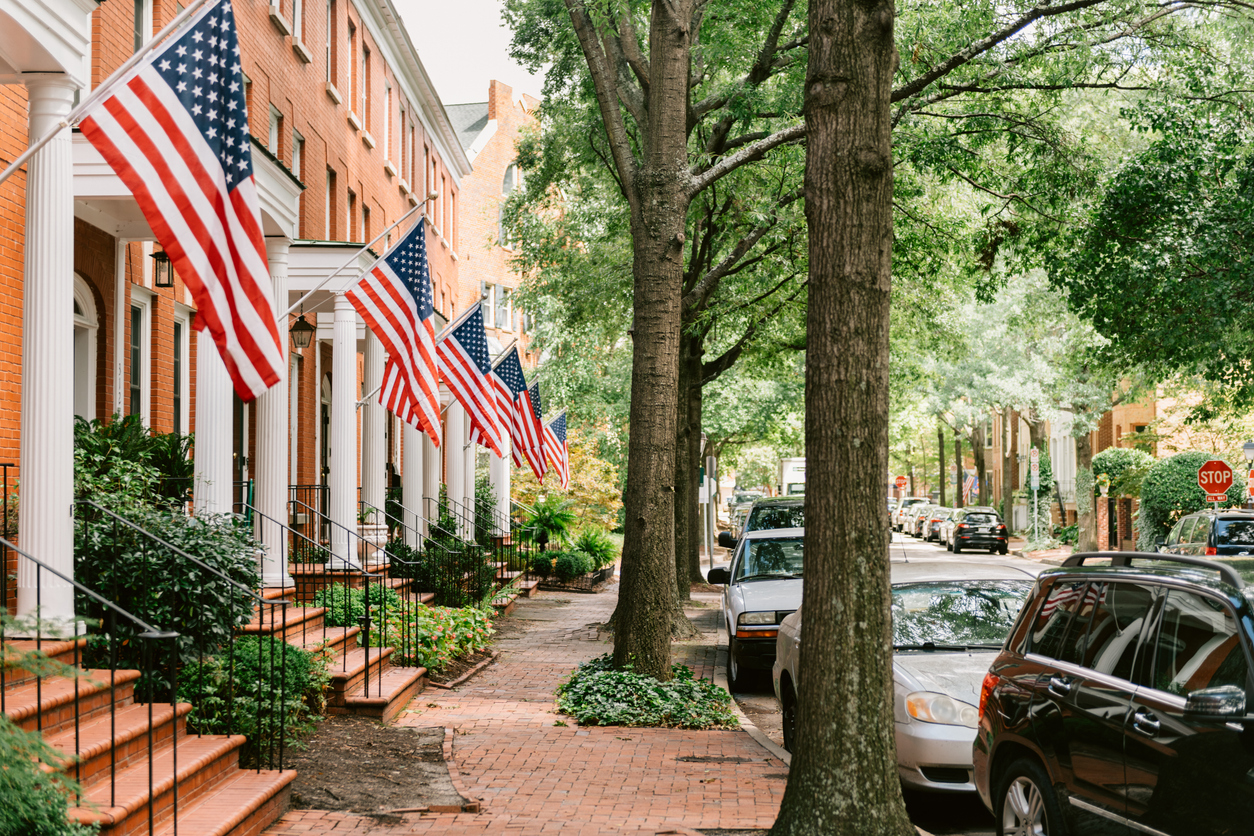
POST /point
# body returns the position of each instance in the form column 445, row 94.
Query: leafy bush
column 1068, row 534
column 123, row 456
column 431, row 637
column 597, row 545
column 274, row 689
column 598, row 695
column 346, row 606
column 571, row 565
column 550, row 521
column 542, row 563
column 1169, row 491
column 1126, row 467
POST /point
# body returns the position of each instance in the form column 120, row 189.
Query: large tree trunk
column 1086, row 536
column 696, row 535
column 977, row 458
column 843, row 777
column 687, row 472
column 1007, row 467
column 959, row 470
column 647, row 603
column 940, row 467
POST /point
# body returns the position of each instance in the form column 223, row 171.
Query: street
column 937, row 813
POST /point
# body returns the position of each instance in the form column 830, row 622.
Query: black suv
column 1118, row 703
column 1212, row 533
column 978, row 527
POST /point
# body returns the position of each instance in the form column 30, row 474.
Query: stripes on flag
column 175, row 131
column 529, row 413
column 555, row 449
column 508, row 381
column 465, row 367
column 394, row 298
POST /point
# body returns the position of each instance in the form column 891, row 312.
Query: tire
column 789, row 717
column 1026, row 803
column 1004, row 550
column 949, row 546
column 957, row 549
column 737, row 676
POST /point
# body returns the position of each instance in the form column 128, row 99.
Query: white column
column 343, row 477
column 499, row 474
column 373, row 438
column 454, row 460
column 411, row 482
column 214, row 429
column 468, row 456
column 272, row 441
column 47, row 442
column 120, row 310
column 431, row 461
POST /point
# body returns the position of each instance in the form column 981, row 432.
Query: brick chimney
column 500, row 99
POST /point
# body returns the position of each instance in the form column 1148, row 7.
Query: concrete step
column 49, row 704
column 115, row 742
column 242, row 805
column 389, row 693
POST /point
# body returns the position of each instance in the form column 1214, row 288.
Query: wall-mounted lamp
column 302, row 332
column 162, row 272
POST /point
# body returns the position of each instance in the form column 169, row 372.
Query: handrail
column 346, row 530
column 418, row 534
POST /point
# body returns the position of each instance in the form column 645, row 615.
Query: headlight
column 938, row 708
column 756, row 618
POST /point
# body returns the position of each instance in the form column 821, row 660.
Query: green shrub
column 1069, row 534
column 550, row 521
column 274, row 689
column 1126, row 468
column 598, row 546
column 431, row 637
column 598, row 695
column 542, row 563
column 1169, row 491
column 571, row 565
column 346, row 606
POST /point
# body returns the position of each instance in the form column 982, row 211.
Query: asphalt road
column 939, row 814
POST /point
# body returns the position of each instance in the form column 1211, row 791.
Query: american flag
column 465, row 366
column 555, row 449
column 508, row 380
column 175, row 131
column 529, row 414
column 970, row 485
column 1065, row 596
column 394, row 298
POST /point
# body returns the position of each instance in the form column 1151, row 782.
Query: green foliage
column 595, row 480
column 1125, row 467
column 1169, row 491
column 263, row 688
column 1068, row 534
column 35, row 801
column 485, row 510
column 569, row 566
column 120, row 462
column 346, row 606
column 550, row 521
column 432, row 637
column 597, row 545
column 161, row 587
column 542, row 563
column 598, row 695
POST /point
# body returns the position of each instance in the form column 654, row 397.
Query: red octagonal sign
column 1215, row 477
column 900, row 482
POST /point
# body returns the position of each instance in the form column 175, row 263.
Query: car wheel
column 957, row 549
column 1027, row 805
column 949, row 546
column 789, row 718
column 1004, row 550
column 735, row 673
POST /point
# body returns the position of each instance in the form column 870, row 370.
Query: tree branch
column 748, row 154
column 711, row 371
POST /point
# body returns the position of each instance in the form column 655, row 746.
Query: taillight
column 986, row 689
column 1211, row 550
column 1001, row 528
column 960, row 526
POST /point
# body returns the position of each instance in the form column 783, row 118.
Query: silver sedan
column 950, row 619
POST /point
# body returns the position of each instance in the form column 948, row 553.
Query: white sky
column 463, row 45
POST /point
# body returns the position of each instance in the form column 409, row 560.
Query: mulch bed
column 457, row 667
column 358, row 765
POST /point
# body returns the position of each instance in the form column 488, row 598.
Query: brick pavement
column 533, row 777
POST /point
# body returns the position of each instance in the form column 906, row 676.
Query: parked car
column 1227, row 532
column 739, row 497
column 949, row 621
column 978, row 527
column 1119, row 702
column 914, row 519
column 766, row 514
column 904, row 505
column 932, row 522
column 760, row 588
column 947, row 527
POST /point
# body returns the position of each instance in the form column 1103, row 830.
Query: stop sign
column 1215, row 477
column 900, row 482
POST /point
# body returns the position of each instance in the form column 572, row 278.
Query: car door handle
column 1146, row 723
column 1059, row 686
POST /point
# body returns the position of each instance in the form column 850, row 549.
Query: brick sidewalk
column 533, row 777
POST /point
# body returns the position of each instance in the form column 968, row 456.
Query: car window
column 767, row 558
column 1119, row 614
column 1234, row 532
column 1051, row 626
column 979, row 517
column 1198, row 645
column 957, row 612
column 1186, row 533
column 768, row 517
column 1174, row 537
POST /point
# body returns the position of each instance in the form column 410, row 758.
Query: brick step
column 528, row 588
column 55, row 649
column 242, row 805
column 298, row 621
column 506, row 606
column 389, row 694
column 335, row 640
column 204, row 763
column 349, row 672
column 507, row 575
column 53, row 700
column 125, row 735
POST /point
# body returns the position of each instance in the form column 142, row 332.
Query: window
column 138, row 371
column 1198, row 646
column 142, row 24
column 352, row 215
column 248, row 93
column 330, row 38
column 330, row 195
column 485, row 304
column 1050, row 627
column 365, row 223
column 363, row 84
column 386, row 128
column 1118, row 616
column 276, row 125
column 181, row 392
column 354, row 78
column 298, row 20
column 298, row 155
column 502, row 307
column 987, row 430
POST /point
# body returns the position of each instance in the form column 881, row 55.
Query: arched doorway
column 86, row 330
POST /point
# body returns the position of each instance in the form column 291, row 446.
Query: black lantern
column 162, row 272
column 302, row 332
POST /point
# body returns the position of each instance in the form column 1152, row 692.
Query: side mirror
column 718, row 575
column 726, row 540
column 1224, row 702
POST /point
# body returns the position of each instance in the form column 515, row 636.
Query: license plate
column 983, row 528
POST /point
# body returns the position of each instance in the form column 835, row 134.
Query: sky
column 463, row 45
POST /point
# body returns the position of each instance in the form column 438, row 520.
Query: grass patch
column 598, row 695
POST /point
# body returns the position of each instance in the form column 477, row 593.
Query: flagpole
column 105, row 86
column 500, row 358
column 363, row 401
column 461, row 317
column 349, row 263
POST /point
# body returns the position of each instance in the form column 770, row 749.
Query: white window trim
column 183, row 316
column 276, row 122
column 88, row 320
column 142, row 299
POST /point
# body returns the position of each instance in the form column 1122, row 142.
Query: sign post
column 1215, row 478
column 1034, row 459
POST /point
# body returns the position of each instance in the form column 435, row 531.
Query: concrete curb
column 473, row 805
column 720, row 679
column 459, row 680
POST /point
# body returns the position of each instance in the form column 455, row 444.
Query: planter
column 587, row 583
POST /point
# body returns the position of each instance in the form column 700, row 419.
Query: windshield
column 771, row 559
column 1234, row 532
column 981, row 518
column 957, row 612
column 767, row 517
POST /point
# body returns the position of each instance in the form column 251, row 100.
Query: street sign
column 1034, row 468
column 1249, row 484
column 901, row 482
column 1215, row 477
